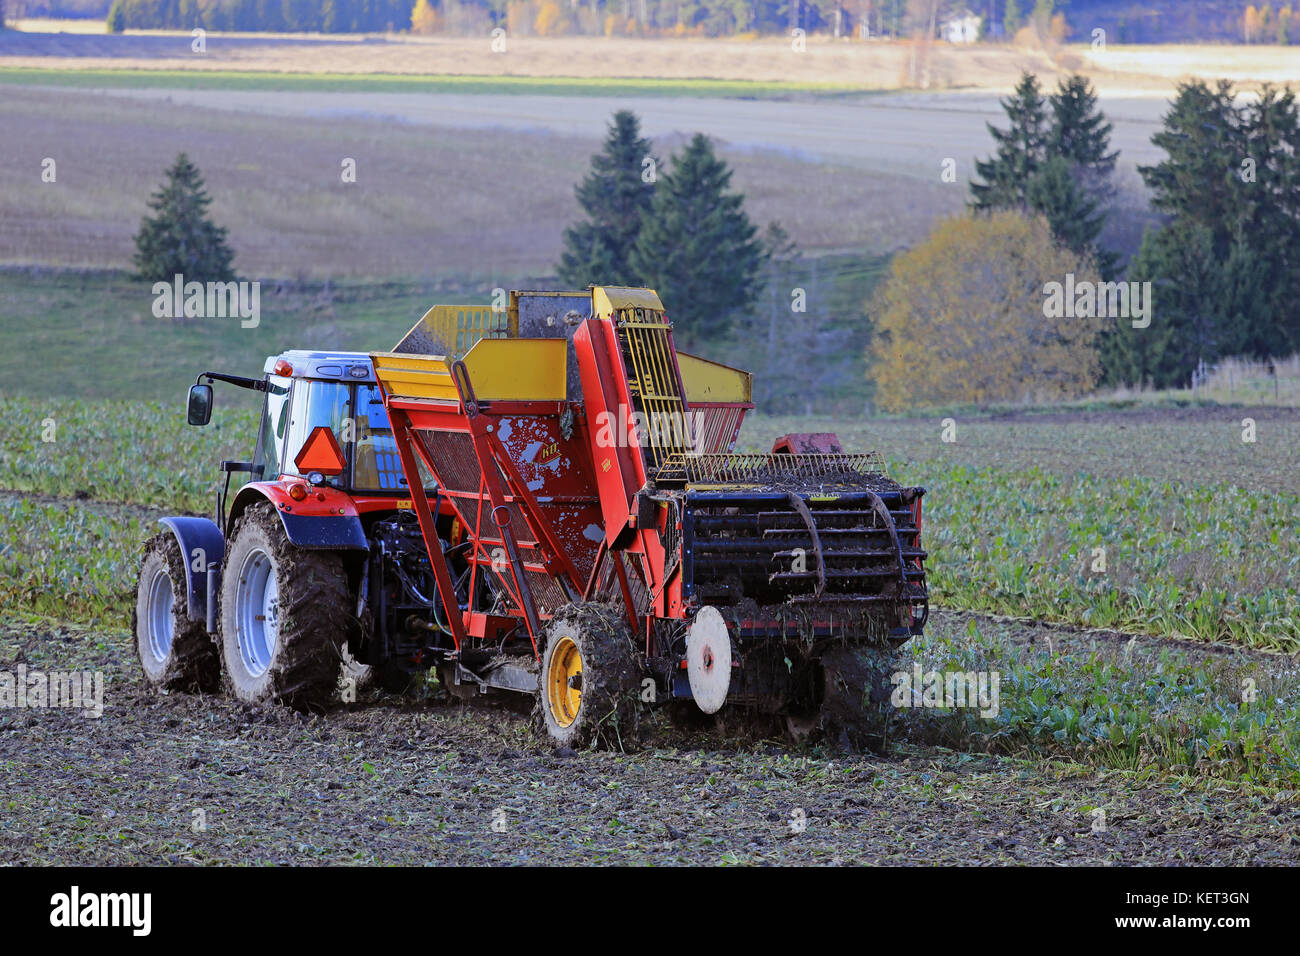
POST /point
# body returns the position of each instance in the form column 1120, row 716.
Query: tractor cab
column 324, row 420
column 323, row 427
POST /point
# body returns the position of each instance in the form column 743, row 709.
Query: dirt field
column 433, row 782
column 481, row 183
column 431, row 197
column 449, row 184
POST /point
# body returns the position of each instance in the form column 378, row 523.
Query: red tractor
column 543, row 502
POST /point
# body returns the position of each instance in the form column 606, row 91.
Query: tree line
column 1020, row 299
column 693, row 17
column 296, row 16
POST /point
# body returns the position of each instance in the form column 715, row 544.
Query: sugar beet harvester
column 551, row 507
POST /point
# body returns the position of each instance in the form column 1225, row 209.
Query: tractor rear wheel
column 285, row 615
column 175, row 652
column 590, row 680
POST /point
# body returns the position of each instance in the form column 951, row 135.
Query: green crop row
column 139, row 453
column 1133, row 554
column 70, row 561
column 1158, row 708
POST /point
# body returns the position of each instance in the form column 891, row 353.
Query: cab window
column 315, row 404
column 375, row 465
column 269, row 453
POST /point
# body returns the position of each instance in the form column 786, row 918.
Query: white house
column 963, row 27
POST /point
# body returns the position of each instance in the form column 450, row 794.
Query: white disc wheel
column 708, row 660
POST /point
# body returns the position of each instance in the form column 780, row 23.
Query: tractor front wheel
column 285, row 615
column 175, row 652
column 590, row 680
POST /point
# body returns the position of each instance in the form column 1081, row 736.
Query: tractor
column 545, row 503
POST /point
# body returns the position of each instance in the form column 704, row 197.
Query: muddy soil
column 197, row 779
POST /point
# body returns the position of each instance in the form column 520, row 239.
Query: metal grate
column 653, row 382
column 548, row 595
column 718, row 427
column 857, row 469
column 453, row 330
column 453, row 458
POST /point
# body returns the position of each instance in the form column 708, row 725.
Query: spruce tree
column 180, row 239
column 615, row 196
column 1021, row 150
column 1057, row 165
column 1080, row 133
column 1072, row 214
column 697, row 246
column 1231, row 185
column 1198, row 183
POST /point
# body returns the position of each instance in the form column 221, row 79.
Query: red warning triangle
column 320, row 452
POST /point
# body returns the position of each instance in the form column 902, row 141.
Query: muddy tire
column 590, row 681
column 856, row 713
column 285, row 616
column 175, row 652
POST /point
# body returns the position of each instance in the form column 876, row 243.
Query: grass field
column 765, row 60
column 244, row 80
column 1209, row 560
column 862, row 65
column 100, row 332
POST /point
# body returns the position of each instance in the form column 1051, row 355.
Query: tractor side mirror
column 199, row 409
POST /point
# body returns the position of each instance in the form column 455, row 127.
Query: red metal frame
column 561, row 503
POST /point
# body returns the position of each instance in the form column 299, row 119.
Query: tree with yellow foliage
column 424, row 19
column 964, row 318
column 551, row 20
column 1251, row 24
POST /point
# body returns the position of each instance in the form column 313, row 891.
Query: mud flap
column 203, row 547
column 324, row 532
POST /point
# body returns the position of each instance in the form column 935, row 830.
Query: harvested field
column 482, row 188
column 425, row 782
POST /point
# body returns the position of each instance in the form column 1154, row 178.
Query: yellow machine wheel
column 590, row 678
column 564, row 682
